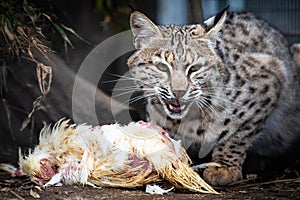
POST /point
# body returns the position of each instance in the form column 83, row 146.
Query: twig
column 295, row 180
column 18, row 196
column 240, row 182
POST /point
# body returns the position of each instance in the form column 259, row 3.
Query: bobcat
column 228, row 85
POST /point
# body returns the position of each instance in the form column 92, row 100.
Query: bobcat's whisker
column 133, row 88
column 225, row 100
column 226, row 88
column 137, row 98
column 130, row 91
column 125, row 78
column 200, row 108
column 228, row 111
column 122, row 93
column 202, row 103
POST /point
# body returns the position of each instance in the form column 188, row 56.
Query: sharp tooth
column 171, row 107
column 182, row 107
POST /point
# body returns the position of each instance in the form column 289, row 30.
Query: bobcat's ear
column 143, row 29
column 214, row 24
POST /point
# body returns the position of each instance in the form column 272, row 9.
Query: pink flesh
column 146, row 124
column 47, row 169
column 135, row 161
column 18, row 172
column 161, row 131
column 93, row 128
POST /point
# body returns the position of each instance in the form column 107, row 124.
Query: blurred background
column 282, row 14
column 43, row 44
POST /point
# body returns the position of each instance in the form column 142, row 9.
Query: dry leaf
column 5, row 189
column 34, row 194
column 251, row 176
column 44, row 74
column 38, row 188
column 25, row 123
column 8, row 33
column 36, row 105
column 8, row 115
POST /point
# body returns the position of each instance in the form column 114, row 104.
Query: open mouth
column 174, row 106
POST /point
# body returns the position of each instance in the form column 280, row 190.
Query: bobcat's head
column 177, row 66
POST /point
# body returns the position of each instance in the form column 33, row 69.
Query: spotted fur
column 221, row 85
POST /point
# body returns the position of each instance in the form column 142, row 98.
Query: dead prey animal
column 110, row 155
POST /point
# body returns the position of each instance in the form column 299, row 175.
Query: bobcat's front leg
column 221, row 176
column 230, row 155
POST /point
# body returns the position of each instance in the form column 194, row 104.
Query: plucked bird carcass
column 110, row 155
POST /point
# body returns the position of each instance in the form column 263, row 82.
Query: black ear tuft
column 214, row 24
column 220, row 14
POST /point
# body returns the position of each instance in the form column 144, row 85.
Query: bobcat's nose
column 179, row 93
column 178, row 81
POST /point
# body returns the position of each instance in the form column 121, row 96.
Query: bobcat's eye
column 194, row 68
column 162, row 67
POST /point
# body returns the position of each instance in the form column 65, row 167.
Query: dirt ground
column 23, row 188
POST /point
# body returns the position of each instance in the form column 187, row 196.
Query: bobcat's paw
column 221, row 176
